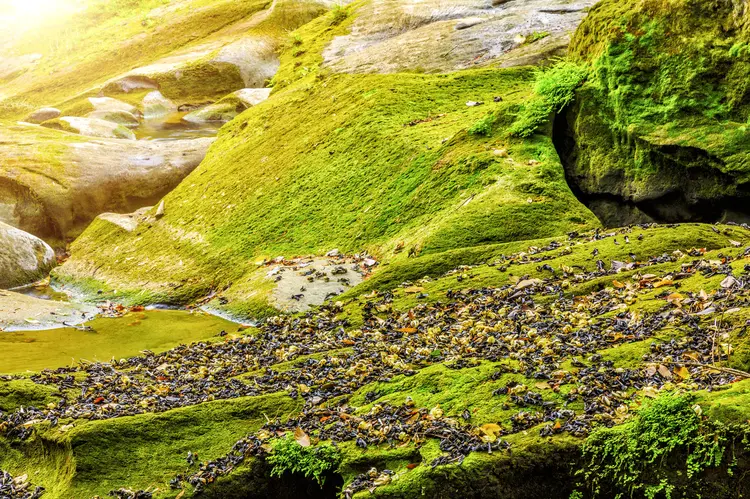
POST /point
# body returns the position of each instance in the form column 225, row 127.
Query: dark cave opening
column 675, row 206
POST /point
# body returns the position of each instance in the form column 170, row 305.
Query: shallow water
column 126, row 336
column 172, row 127
column 43, row 292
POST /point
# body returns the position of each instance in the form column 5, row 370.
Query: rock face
column 436, row 36
column 58, row 183
column 657, row 130
column 43, row 114
column 23, row 258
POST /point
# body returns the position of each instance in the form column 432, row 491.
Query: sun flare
column 31, row 11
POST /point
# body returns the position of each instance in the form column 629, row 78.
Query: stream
column 34, row 346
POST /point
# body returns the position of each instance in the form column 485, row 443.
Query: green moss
column 628, row 459
column 138, row 451
column 665, row 105
column 360, row 177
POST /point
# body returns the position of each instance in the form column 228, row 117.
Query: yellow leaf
column 414, row 289
column 618, row 284
column 490, row 429
column 682, row 372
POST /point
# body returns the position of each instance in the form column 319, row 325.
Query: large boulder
column 23, row 258
column 123, row 118
column 660, row 128
column 57, row 183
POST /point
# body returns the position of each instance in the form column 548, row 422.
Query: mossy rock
column 662, row 120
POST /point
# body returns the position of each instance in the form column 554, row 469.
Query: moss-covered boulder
column 662, row 122
column 230, row 106
column 91, row 127
column 385, row 164
column 23, row 257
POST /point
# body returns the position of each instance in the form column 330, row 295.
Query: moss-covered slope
column 398, row 165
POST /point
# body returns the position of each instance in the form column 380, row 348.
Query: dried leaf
column 664, row 372
column 414, row 289
column 301, row 437
column 618, row 284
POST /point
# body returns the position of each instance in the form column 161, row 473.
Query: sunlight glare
column 32, row 11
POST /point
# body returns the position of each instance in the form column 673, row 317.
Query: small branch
column 728, row 370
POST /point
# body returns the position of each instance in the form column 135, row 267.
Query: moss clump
column 631, row 459
column 554, row 90
column 665, row 108
column 315, row 462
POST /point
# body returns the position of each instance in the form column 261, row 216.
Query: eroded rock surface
column 57, row 183
column 436, row 36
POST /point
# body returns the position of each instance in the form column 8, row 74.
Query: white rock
column 23, row 258
column 110, row 104
column 155, row 105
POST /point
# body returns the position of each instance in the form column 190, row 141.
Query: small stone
column 334, row 252
column 729, row 282
column 472, row 103
column 501, row 153
column 42, row 115
column 160, row 209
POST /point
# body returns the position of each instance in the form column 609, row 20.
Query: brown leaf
column 411, row 466
column 301, row 437
column 664, row 372
column 408, row 330
column 664, row 282
column 618, row 284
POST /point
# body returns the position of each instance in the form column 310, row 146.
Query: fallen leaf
column 301, row 437
column 618, row 284
column 664, row 372
column 414, row 289
column 682, row 372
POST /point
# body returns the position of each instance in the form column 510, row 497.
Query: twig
column 728, row 370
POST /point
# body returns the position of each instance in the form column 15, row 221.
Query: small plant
column 536, row 36
column 314, row 462
column 554, row 89
column 339, row 13
column 483, row 126
column 295, row 40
